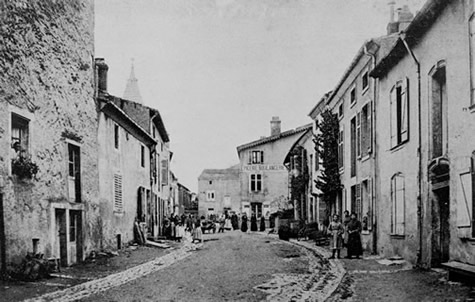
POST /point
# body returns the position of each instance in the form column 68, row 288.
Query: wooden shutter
column 369, row 133
column 262, row 157
column 464, row 200
column 358, row 134
column 400, row 205
column 405, row 111
column 393, row 116
column 249, row 161
column 370, row 204
column 118, row 205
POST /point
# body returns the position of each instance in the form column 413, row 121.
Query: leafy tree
column 326, row 146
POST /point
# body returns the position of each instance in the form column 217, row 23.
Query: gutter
column 419, row 173
column 376, row 164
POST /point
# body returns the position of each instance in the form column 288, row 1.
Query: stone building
column 159, row 204
column 184, row 199
column 353, row 101
column 264, row 180
column 219, row 191
column 124, row 169
column 48, row 117
column 425, row 149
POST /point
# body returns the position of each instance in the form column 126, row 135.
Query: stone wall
column 46, row 76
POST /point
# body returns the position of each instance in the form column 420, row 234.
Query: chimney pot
column 275, row 126
column 101, row 69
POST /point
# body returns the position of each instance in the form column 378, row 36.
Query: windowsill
column 341, row 170
column 119, row 213
column 398, row 147
column 365, row 90
column 397, row 236
column 352, row 104
column 341, row 117
column 366, row 232
column 365, row 158
column 469, row 240
column 472, row 108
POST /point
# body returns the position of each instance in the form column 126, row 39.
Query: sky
column 219, row 70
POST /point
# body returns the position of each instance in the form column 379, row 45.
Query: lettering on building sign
column 263, row 168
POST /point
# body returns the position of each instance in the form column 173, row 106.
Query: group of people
column 345, row 234
column 176, row 226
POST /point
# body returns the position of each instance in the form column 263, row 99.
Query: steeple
column 132, row 92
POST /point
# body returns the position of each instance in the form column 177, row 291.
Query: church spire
column 132, row 92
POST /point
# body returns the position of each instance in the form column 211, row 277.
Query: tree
column 326, row 146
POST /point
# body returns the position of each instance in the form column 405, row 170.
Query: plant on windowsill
column 24, row 168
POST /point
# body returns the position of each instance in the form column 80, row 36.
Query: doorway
column 75, row 236
column 256, row 209
column 61, row 242
column 440, row 226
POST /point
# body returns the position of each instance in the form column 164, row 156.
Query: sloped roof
column 412, row 34
column 273, row 138
column 383, row 44
column 228, row 173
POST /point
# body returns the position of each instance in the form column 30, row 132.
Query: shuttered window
column 118, row 204
column 397, row 205
column 399, row 111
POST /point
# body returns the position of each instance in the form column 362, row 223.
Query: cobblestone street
column 237, row 266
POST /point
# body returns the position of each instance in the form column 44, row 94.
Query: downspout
column 419, row 173
column 373, row 134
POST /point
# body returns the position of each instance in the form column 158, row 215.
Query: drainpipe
column 419, row 174
column 373, row 133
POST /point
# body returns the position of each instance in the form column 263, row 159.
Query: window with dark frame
column 20, row 134
column 142, row 156
column 353, row 142
column 74, row 164
column 341, row 148
column 439, row 112
column 256, row 157
column 256, row 182
column 116, row 136
column 340, row 110
column 366, row 130
column 399, row 112
column 365, row 81
column 353, row 95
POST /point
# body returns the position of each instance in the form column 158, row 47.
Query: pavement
column 237, row 266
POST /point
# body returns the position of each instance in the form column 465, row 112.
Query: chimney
column 404, row 17
column 275, row 126
column 393, row 25
column 101, row 73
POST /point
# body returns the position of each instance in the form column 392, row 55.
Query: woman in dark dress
column 254, row 223
column 244, row 223
column 234, row 221
column 263, row 224
column 354, row 237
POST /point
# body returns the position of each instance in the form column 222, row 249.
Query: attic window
column 353, row 95
column 365, row 82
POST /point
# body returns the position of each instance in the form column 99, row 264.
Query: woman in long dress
column 197, row 232
column 354, row 237
column 244, row 223
column 336, row 231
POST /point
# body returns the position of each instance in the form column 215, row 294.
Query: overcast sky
column 218, row 70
